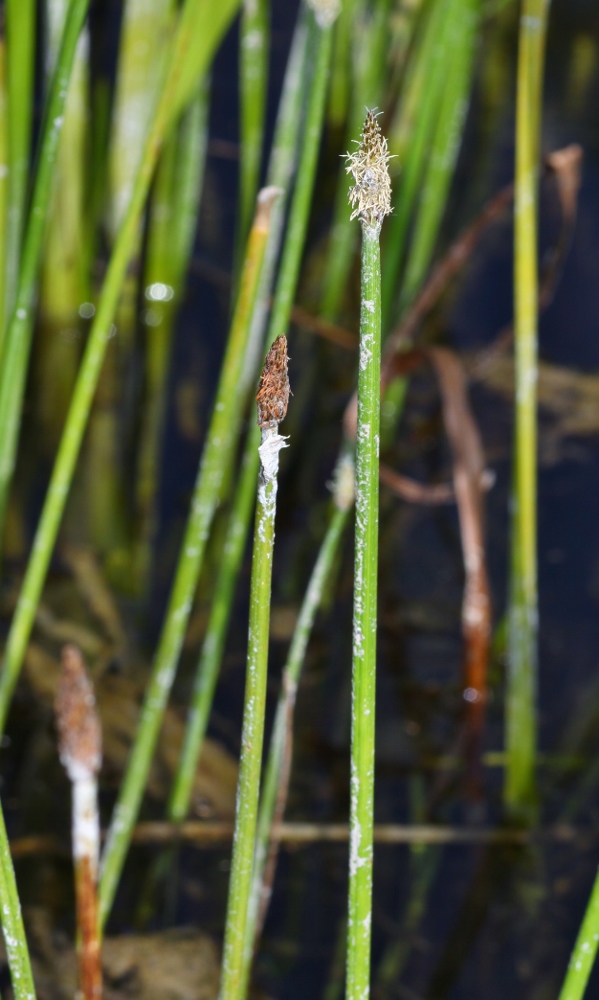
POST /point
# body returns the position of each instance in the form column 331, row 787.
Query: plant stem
column 20, row 67
column 216, row 456
column 175, row 91
column 365, row 625
column 256, row 672
column 15, row 354
column 214, row 639
column 371, row 198
column 521, row 735
column 274, row 792
column 253, row 74
column 12, row 924
column 585, row 950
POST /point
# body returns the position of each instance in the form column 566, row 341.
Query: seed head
column 370, row 197
column 77, row 722
column 273, row 392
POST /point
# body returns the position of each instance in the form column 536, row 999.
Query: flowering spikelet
column 370, row 197
column 273, row 392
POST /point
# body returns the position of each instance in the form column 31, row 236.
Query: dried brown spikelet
column 273, row 392
column 370, row 196
column 77, row 721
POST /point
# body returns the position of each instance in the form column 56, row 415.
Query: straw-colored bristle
column 77, row 722
column 370, row 196
column 273, row 392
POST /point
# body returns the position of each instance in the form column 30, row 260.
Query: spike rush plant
column 271, row 400
column 370, row 198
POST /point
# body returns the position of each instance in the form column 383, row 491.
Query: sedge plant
column 371, row 200
column 216, row 457
column 192, row 48
column 521, row 725
column 272, row 400
column 279, row 172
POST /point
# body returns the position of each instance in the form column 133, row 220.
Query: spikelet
column 273, row 392
column 370, row 197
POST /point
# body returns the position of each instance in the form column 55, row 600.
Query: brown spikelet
column 273, row 392
column 77, row 722
column 370, row 197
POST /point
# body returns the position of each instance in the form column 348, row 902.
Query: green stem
column 218, row 450
column 4, row 186
column 15, row 355
column 274, row 791
column 20, row 66
column 252, row 736
column 365, row 623
column 176, row 90
column 216, row 631
column 585, row 950
column 12, row 924
column 253, row 74
column 320, row 52
column 521, row 728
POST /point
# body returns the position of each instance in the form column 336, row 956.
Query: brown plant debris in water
column 77, row 722
column 370, row 197
column 272, row 397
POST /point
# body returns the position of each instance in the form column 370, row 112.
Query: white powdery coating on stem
column 86, row 824
column 272, row 443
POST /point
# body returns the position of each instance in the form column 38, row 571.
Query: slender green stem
column 216, row 456
column 216, row 631
column 174, row 92
column 253, row 74
column 15, row 355
column 365, row 623
column 12, row 924
column 4, row 186
column 320, row 52
column 445, row 144
column 20, row 65
column 371, row 198
column 140, row 73
column 585, row 950
column 171, row 228
column 521, row 728
column 232, row 985
column 274, row 791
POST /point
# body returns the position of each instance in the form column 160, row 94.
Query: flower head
column 273, row 392
column 370, row 197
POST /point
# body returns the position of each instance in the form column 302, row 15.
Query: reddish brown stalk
column 468, row 470
column 80, row 747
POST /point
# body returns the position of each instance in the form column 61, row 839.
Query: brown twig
column 468, row 470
